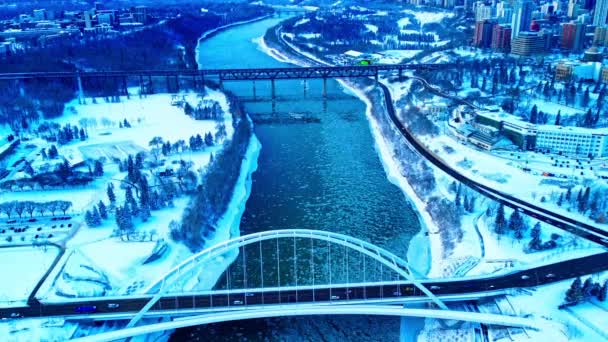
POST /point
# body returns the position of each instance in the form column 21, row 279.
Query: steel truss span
column 241, row 74
column 307, row 310
column 393, row 262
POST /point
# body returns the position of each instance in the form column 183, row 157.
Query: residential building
column 522, row 17
column 483, row 33
column 501, row 38
column 566, row 70
column 600, row 36
column 573, row 36
column 600, row 13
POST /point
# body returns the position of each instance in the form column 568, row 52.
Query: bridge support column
column 150, row 88
column 176, row 84
column 325, row 87
column 81, row 98
column 254, row 92
column 273, row 90
column 203, row 90
column 400, row 74
column 305, row 84
column 125, row 87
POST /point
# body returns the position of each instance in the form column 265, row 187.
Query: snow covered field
column 428, row 17
column 24, row 266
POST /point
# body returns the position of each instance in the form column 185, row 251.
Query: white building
column 573, row 140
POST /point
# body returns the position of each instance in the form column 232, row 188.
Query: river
column 324, row 175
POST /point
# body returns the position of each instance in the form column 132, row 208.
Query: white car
column 435, row 287
column 525, row 277
column 335, row 297
column 113, row 306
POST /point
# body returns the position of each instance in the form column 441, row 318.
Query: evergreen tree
column 535, row 233
column 96, row 217
column 534, row 115
column 569, row 194
column 111, row 195
column 83, row 135
column 575, row 292
column 558, row 118
column 589, row 288
column 601, row 296
column 88, row 218
column 103, row 211
column 583, row 203
column 560, row 200
column 98, row 168
column 500, row 221
column 457, row 198
column 516, row 221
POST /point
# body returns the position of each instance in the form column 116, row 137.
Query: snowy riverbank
column 229, row 224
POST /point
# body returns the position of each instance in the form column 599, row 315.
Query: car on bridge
column 86, row 309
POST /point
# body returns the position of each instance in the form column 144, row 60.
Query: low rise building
column 529, row 43
column 572, row 141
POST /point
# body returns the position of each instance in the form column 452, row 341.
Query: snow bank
column 229, row 224
column 21, row 269
column 371, row 28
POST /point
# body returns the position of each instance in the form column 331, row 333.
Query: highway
column 227, row 299
column 563, row 222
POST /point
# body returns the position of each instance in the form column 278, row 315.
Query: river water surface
column 324, row 175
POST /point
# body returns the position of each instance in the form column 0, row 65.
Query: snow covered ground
column 21, row 269
column 428, row 17
column 124, row 271
column 583, row 322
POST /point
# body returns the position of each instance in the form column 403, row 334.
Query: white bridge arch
column 381, row 255
column 317, row 309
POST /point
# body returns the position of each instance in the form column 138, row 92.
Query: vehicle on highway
column 550, row 275
column 86, row 309
column 249, row 294
column 335, row 297
column 237, row 302
column 525, row 277
column 113, row 306
column 15, row 315
column 435, row 287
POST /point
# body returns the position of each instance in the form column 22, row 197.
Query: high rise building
column 87, row 19
column 141, row 14
column 601, row 12
column 39, row 14
column 600, row 36
column 483, row 33
column 522, row 16
column 573, row 36
column 501, row 38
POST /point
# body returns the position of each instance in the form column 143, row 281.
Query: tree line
column 20, row 208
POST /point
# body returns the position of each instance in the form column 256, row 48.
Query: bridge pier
column 273, row 90
column 150, row 88
column 254, row 92
column 125, row 87
column 203, row 90
column 325, row 87
column 80, row 90
column 305, row 84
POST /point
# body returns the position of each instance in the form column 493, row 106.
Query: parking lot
column 16, row 231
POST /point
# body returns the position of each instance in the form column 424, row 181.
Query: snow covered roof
column 353, row 53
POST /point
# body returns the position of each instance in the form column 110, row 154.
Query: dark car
column 86, row 309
